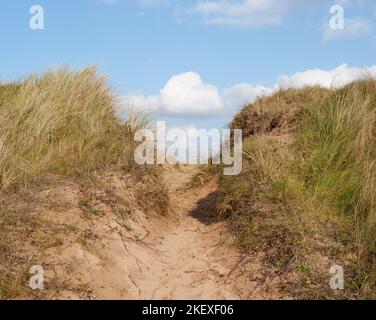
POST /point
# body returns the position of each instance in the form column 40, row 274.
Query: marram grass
column 60, row 121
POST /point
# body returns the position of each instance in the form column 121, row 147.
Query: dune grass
column 338, row 142
column 306, row 197
column 61, row 121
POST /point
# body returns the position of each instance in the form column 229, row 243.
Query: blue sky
column 196, row 52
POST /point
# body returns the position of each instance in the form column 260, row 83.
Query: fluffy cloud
column 183, row 94
column 187, row 95
column 336, row 77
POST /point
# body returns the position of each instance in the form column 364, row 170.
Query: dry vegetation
column 306, row 198
column 60, row 121
column 59, row 131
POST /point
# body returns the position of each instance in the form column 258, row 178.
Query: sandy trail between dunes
column 197, row 258
column 194, row 261
column 187, row 254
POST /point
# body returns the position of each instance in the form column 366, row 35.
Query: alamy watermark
column 337, row 21
column 36, row 21
column 192, row 147
column 36, row 281
column 337, row 281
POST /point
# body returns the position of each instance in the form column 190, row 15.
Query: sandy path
column 197, row 259
column 190, row 266
column 188, row 254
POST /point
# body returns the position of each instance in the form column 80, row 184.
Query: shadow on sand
column 205, row 209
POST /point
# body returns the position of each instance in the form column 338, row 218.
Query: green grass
column 306, row 197
column 339, row 144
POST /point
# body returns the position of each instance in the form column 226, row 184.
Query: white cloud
column 186, row 94
column 337, row 77
column 353, row 28
column 183, row 94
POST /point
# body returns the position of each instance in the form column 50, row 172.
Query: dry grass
column 279, row 113
column 306, row 197
column 61, row 121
